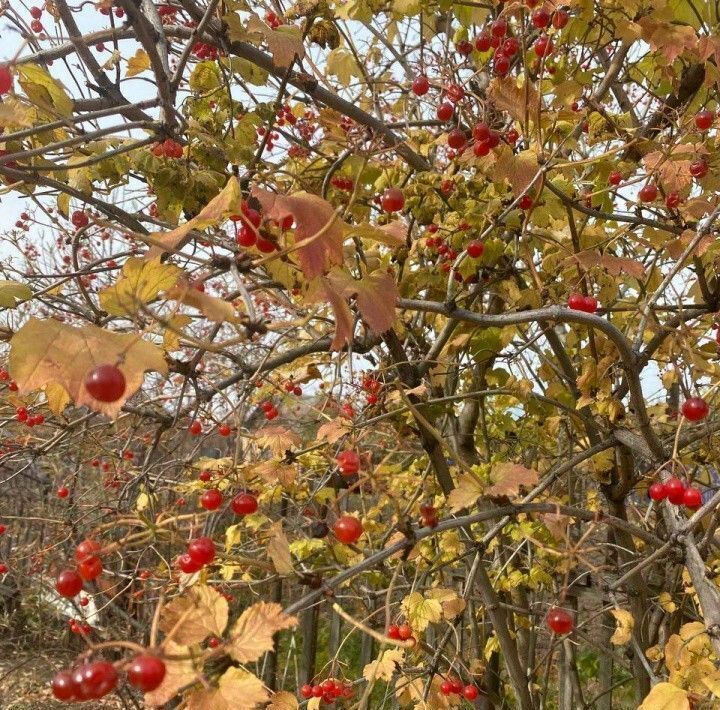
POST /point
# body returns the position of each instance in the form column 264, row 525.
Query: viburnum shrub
column 360, row 354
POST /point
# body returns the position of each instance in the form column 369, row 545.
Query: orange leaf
column 505, row 93
column 252, row 634
column 614, row 265
column 237, row 690
column 669, row 39
column 201, row 612
column 509, row 477
column 284, row 43
column 520, row 170
column 277, row 438
column 321, row 291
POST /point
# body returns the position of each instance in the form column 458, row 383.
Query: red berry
column 87, row 548
column 90, row 568
column 201, row 550
column 244, row 504
column 21, row 414
column 195, row 428
column 540, row 18
column 211, row 499
column 456, row 139
column 559, row 621
column 475, row 249
column 266, row 246
column 657, row 491
column 470, row 692
column 187, row 564
column 95, row 680
column 675, row 490
column 63, row 492
column 512, row 136
column 501, row 64
column 348, row 529
column 404, row 632
column 704, row 119
column 543, row 46
column 224, row 430
column 560, row 18
column 498, row 28
column 590, row 304
column 146, row 673
column 393, row 631
column 482, row 42
column 6, row 80
column 510, row 47
column 106, row 383
column 2, row 529
column 446, row 687
column 457, row 686
column 392, row 200
column 246, row 237
column 348, row 462
column 481, row 149
column 672, row 200
column 525, row 202
column 68, row 583
column 420, row 85
column 306, row 691
column 63, row 687
column 455, row 93
column 699, row 168
column 648, row 193
column 615, row 177
column 36, row 12
column 445, row 111
column 695, row 409
column 692, row 498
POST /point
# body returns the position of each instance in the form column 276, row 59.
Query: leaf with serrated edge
column 420, row 612
column 252, row 634
column 236, row 690
column 383, row 667
column 467, row 491
column 509, row 477
column 201, row 612
column 277, row 438
column 283, row 701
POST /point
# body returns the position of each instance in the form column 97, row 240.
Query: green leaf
column 11, row 292
column 205, row 77
column 248, row 71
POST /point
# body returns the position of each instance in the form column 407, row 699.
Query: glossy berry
column 392, row 200
column 540, row 18
column 675, row 490
column 543, row 46
column 525, row 202
column 510, row 47
column 470, row 692
column 68, row 583
column 63, row 687
column 498, row 28
column 482, row 42
column 224, row 430
column 106, row 383
column 63, row 492
column 195, row 427
column 615, row 177
column 404, row 632
column 306, row 691
column 348, row 462
column 393, row 632
column 559, row 621
column 560, row 18
column 501, row 64
column 672, row 200
column 446, row 687
column 648, row 193
column 692, row 498
column 146, row 673
column 455, row 93
column 695, row 409
column 90, row 568
column 187, row 564
column 6, row 80
column 475, row 249
column 420, row 85
column 657, row 491
column 704, row 119
column 201, row 550
column 95, row 680
column 699, row 168
column 348, row 529
column 244, row 504
column 85, row 549
column 211, row 499
column 464, row 47
column 445, row 111
column 456, row 138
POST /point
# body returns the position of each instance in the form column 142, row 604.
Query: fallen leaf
column 237, row 690
column 278, row 439
column 47, row 352
column 420, row 611
column 508, row 478
column 201, row 612
column 665, row 696
column 318, row 234
column 278, row 550
column 252, row 634
column 625, row 624
column 508, row 95
column 385, row 665
column 137, row 64
column 178, row 674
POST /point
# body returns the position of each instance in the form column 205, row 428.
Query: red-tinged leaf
column 673, row 171
column 318, row 233
column 518, row 100
column 670, row 39
column 677, row 247
column 521, row 170
column 508, row 478
column 277, row 438
column 614, row 265
column 225, row 203
column 321, row 291
column 709, row 47
column 333, row 430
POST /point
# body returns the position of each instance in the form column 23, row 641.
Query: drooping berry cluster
column 677, row 492
column 167, row 149
column 454, row 686
column 329, row 691
column 200, row 552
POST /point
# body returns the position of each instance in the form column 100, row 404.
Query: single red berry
column 543, row 46
column 470, row 692
column 455, row 93
column 195, row 428
column 510, row 47
column 456, row 139
column 348, row 529
column 404, row 632
column 699, row 168
column 498, row 28
column 2, row 529
column 512, row 136
column 187, row 564
column 393, row 631
column 204, row 475
column 244, row 504
column 146, row 673
column 704, row 119
column 482, row 42
column 615, row 177
column 675, row 490
column 306, row 691
column 246, row 236
column 457, row 686
column 6, row 80
column 672, row 200
column 648, row 193
column 420, row 85
column 85, row 549
column 559, row 621
column 590, row 304
column 695, row 409
column 475, row 249
column 560, row 18
column 63, row 492
column 446, row 687
column 201, row 550
column 90, row 568
column 501, row 64
column 525, row 202
column 63, row 687
column 21, row 414
column 348, row 462
column 392, row 200
column 540, row 18
column 106, row 383
column 657, row 491
column 224, row 430
column 68, row 583
column 317, row 691
column 481, row 149
column 211, row 499
column 464, row 47
column 36, row 12
column 692, row 498
column 95, row 680
column 445, row 111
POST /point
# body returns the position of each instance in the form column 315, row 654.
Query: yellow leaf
column 44, row 91
column 283, row 701
column 140, row 283
column 277, row 438
column 333, row 430
column 274, row 471
column 178, row 674
column 225, row 203
column 420, row 612
column 171, row 338
column 467, row 491
column 667, row 603
column 383, row 667
column 144, row 501
column 137, row 64
column 201, row 612
column 284, row 43
column 15, row 114
column 341, row 63
column 393, row 234
column 712, row 683
column 57, row 398
column 520, row 170
column 625, row 623
column 47, row 352
column 12, row 292
column 278, row 549
column 237, row 690
column 508, row 478
column 666, row 696
column 216, row 309
column 452, row 605
column 252, row 634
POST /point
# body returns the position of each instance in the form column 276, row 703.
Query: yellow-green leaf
column 420, row 612
column 12, row 292
column 44, row 91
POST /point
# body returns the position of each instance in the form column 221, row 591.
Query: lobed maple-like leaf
column 385, row 665
column 318, row 232
column 668, row 38
column 47, row 352
column 322, row 291
column 201, row 612
column 614, row 265
column 516, row 99
column 277, row 438
column 252, row 634
column 421, row 611
column 284, row 43
column 237, row 689
column 508, row 478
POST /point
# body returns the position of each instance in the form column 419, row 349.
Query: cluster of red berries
column 428, row 515
column 88, row 566
column 454, row 686
column 372, row 388
column 273, row 20
column 166, row 10
column 291, row 388
column 272, row 137
column 205, row 51
column 92, row 681
column 270, row 410
column 105, row 10
column 578, row 302
column 167, row 149
column 22, row 415
column 200, row 552
column 342, row 183
column 400, row 632
column 677, row 493
column 348, row 462
column 285, row 115
column 79, row 627
column 328, row 691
